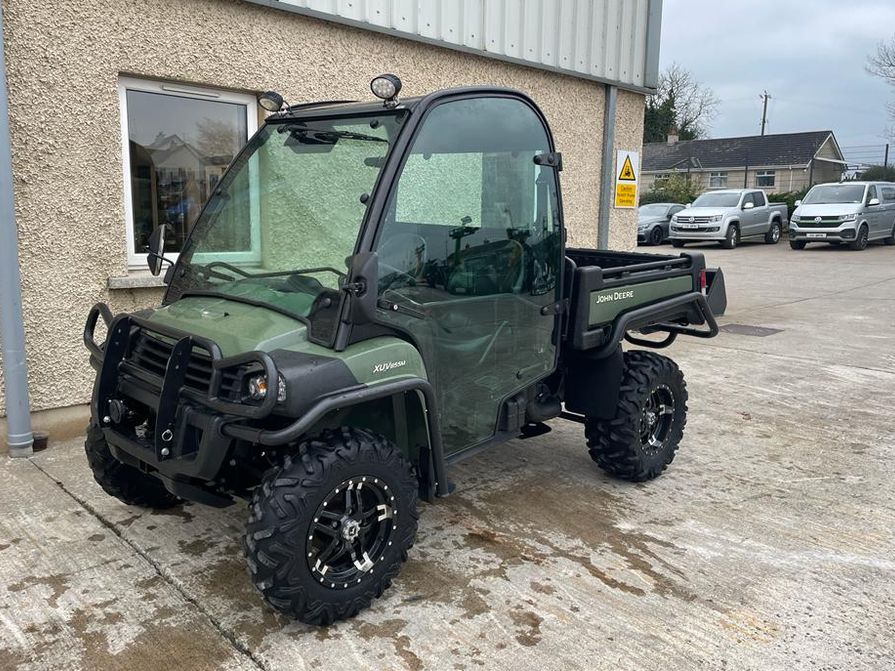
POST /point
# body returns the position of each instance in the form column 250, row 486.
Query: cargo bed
column 613, row 293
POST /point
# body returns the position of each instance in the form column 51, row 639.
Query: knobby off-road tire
column 298, row 543
column 122, row 481
column 775, row 232
column 632, row 446
column 732, row 239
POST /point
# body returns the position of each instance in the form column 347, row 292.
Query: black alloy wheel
column 657, row 418
column 655, row 236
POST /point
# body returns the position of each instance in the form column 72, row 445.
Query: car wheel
column 330, row 528
column 772, row 237
column 642, row 438
column 655, row 236
column 797, row 244
column 733, row 237
column 860, row 242
column 677, row 243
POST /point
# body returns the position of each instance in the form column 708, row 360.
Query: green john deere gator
column 373, row 291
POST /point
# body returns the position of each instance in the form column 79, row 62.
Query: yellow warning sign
column 628, row 165
column 627, row 171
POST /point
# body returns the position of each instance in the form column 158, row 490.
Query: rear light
column 703, row 281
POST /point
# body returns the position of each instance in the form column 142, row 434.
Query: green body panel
column 606, row 305
column 238, row 327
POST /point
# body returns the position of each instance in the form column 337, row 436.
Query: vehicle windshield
column 654, row 210
column 834, row 193
column 278, row 229
column 716, row 199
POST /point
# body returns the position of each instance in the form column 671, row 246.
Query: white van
column 854, row 213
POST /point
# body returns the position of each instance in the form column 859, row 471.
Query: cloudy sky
column 810, row 55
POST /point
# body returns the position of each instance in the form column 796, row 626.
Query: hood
column 827, row 209
column 235, row 327
column 702, row 212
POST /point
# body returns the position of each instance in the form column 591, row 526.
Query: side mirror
column 689, row 204
column 156, row 250
column 362, row 286
column 873, row 201
column 748, row 206
column 797, row 203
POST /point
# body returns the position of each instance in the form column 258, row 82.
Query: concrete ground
column 768, row 544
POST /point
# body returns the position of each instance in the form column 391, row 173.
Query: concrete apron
column 767, row 544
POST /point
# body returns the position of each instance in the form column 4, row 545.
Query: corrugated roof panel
column 608, row 40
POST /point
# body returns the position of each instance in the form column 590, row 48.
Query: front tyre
column 861, row 240
column 732, row 239
column 797, row 244
column 329, row 529
column 124, row 482
column 677, row 243
column 640, row 442
column 656, row 236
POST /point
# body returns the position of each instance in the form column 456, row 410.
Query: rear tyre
column 861, row 240
column 125, row 483
column 733, row 237
column 655, row 236
column 640, row 442
column 797, row 244
column 329, row 529
column 772, row 237
column 677, row 243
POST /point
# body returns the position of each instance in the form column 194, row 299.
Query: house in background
column 782, row 162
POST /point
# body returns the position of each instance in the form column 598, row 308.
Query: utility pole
column 886, row 159
column 764, row 111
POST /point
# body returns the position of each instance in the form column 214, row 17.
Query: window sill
column 136, row 281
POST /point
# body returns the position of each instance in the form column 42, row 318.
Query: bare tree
column 695, row 104
column 882, row 64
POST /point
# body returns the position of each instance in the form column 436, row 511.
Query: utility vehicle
column 373, row 291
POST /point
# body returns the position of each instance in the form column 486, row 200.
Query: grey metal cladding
column 612, row 41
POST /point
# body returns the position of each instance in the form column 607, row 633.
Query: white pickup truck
column 727, row 216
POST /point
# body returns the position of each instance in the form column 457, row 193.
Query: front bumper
column 841, row 233
column 710, row 231
column 186, row 439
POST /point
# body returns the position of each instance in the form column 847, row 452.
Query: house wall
column 786, row 178
column 64, row 61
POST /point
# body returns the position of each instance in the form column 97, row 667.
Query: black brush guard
column 171, row 451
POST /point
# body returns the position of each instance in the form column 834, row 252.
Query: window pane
column 179, row 148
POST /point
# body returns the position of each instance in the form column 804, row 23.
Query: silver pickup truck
column 727, row 216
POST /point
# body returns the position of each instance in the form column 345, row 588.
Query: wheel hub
column 657, row 418
column 350, row 529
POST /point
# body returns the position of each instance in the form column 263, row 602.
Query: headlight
column 258, row 388
column 717, row 217
column 674, row 218
column 795, row 219
column 849, row 217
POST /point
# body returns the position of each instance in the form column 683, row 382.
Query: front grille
column 693, row 220
column 151, row 353
column 829, row 221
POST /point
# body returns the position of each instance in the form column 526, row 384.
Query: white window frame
column 722, row 180
column 766, row 173
column 135, row 260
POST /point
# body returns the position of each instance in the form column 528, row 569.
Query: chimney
column 673, row 136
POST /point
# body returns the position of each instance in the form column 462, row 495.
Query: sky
column 810, row 55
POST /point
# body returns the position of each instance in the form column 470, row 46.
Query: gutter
column 19, row 436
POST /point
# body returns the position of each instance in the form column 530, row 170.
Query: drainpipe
column 606, row 176
column 12, row 333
